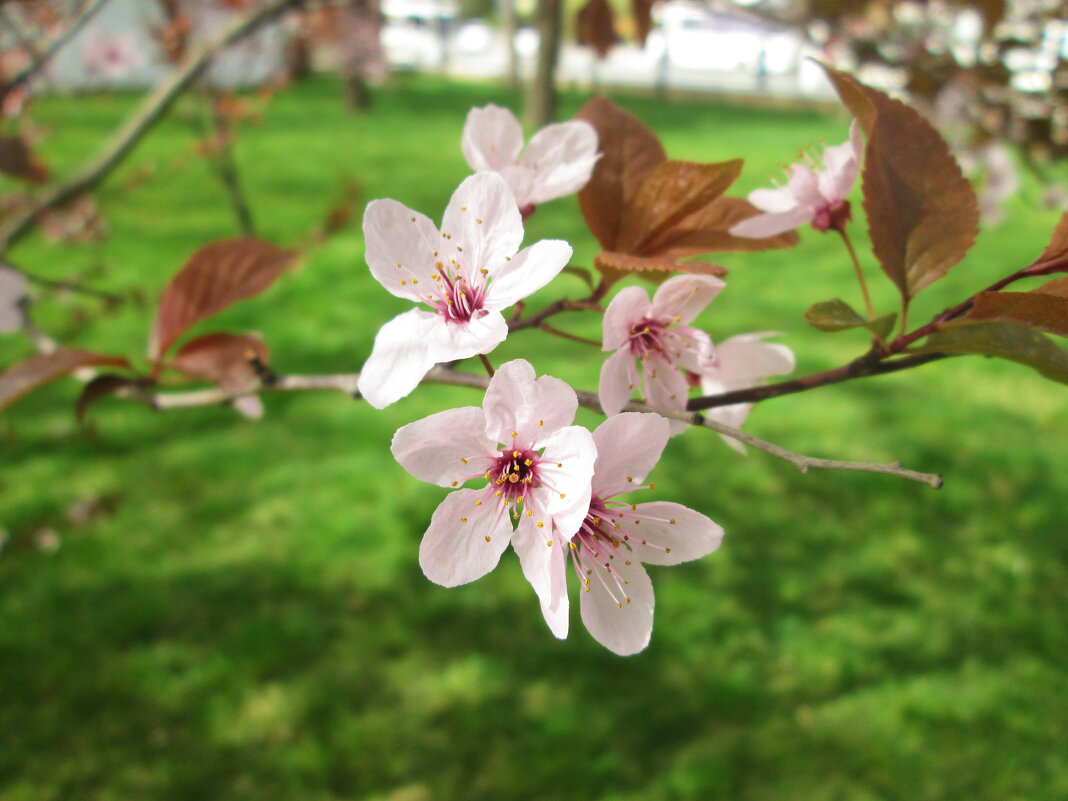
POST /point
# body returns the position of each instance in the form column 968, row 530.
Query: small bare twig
column 346, row 382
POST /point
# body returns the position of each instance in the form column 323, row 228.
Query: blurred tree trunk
column 541, row 97
column 508, row 27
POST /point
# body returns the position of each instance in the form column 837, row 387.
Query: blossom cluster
column 547, row 487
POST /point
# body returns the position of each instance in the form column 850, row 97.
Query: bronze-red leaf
column 39, row 370
column 225, row 359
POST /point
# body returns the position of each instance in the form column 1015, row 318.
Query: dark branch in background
column 219, row 133
column 151, row 110
column 41, row 58
column 69, row 286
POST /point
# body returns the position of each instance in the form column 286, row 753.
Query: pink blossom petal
column 666, row 388
column 492, row 138
column 396, row 235
column 696, row 353
column 445, row 448
column 629, row 306
column 745, row 361
column 521, row 182
column 628, row 446
column 516, row 403
column 566, row 470
column 616, row 387
column 464, row 541
column 452, row 341
column 672, row 533
column 773, row 201
column 400, row 357
column 804, row 186
column 621, row 627
column 543, row 565
column 765, row 225
column 528, row 271
column 841, row 165
column 685, row 296
column 249, row 406
column 481, row 227
column 561, row 157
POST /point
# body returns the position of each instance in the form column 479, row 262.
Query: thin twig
column 42, row 57
column 70, row 286
column 139, row 123
column 346, row 382
column 548, row 329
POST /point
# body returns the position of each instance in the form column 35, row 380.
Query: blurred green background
column 235, row 609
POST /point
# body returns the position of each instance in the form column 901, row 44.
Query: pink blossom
column 466, row 273
column 12, row 292
column 558, row 159
column 656, row 336
column 816, row 197
column 112, row 56
column 615, row 538
column 538, row 468
column 744, row 361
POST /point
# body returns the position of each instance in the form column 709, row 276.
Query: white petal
column 671, row 532
column 765, row 225
column 695, row 353
column 621, row 627
column 400, row 357
column 561, row 157
column 666, row 388
column 616, row 386
column 521, row 182
column 733, row 415
column 444, row 448
column 397, row 235
column 684, row 296
column 628, row 446
column 528, row 271
column 454, row 341
column 492, row 138
column 773, row 201
column 804, row 185
column 745, row 361
column 543, row 565
column 465, row 541
column 629, row 307
column 481, row 227
column 841, row 165
column 516, row 403
column 249, row 406
column 566, row 469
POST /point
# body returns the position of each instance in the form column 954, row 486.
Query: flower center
column 515, row 473
column 647, row 337
column 458, row 302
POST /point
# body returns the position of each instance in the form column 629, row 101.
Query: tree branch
column 140, row 122
column 346, row 382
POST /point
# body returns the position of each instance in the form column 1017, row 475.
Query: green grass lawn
column 241, row 615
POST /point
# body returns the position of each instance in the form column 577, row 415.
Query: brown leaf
column 215, row 277
column 623, row 263
column 643, row 19
column 1057, row 287
column 100, row 387
column 671, row 192
column 1046, row 311
column 225, row 359
column 629, row 151
column 923, row 215
column 1058, row 243
column 708, row 231
column 18, row 159
column 594, row 26
column 38, row 370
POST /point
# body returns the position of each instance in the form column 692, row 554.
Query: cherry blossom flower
column 466, row 273
column 614, row 539
column 656, row 336
column 538, row 468
column 816, row 197
column 112, row 57
column 12, row 291
column 744, row 361
column 558, row 159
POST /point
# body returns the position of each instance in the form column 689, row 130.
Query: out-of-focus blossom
column 537, row 467
column 12, row 291
column 466, row 273
column 557, row 161
column 744, row 361
column 114, row 56
column 652, row 340
column 615, row 538
column 819, row 197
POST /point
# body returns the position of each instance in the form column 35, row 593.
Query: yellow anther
column 507, row 258
column 463, row 519
column 627, row 562
column 541, row 423
column 403, row 282
column 459, row 249
column 550, row 543
column 487, row 538
column 464, row 461
column 667, row 550
column 412, row 219
column 672, row 521
column 455, row 483
column 415, row 280
column 479, row 221
column 398, row 264
column 498, row 493
column 540, row 524
column 630, row 479
column 515, row 454
column 677, row 318
column 563, row 495
column 528, row 462
column 652, row 485
column 478, row 503
column 463, row 208
column 619, row 606
column 530, row 513
column 634, row 507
